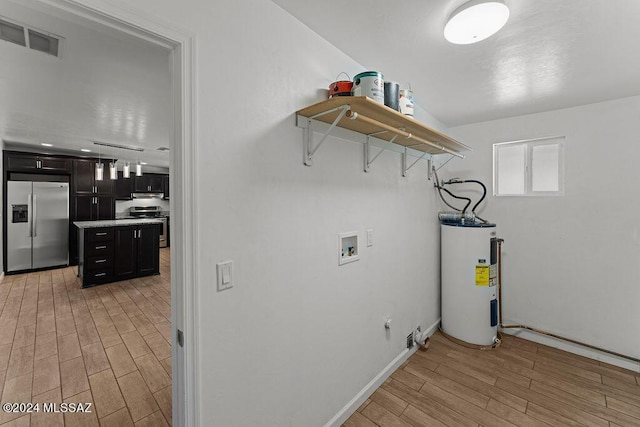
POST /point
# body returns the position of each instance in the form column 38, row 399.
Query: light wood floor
column 521, row 383
column 109, row 345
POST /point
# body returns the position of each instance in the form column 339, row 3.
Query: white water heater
column 469, row 305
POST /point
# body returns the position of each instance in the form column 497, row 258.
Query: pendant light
column 113, row 171
column 99, row 169
column 113, row 166
column 475, row 21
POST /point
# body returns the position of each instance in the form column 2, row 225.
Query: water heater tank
column 469, row 307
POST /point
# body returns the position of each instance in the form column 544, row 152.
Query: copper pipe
column 539, row 331
column 496, row 344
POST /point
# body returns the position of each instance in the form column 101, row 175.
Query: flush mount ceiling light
column 475, row 21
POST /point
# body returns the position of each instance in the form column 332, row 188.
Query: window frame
column 529, row 145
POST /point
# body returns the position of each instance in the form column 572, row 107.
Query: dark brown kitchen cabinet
column 136, row 251
column 149, row 183
column 84, row 182
column 36, row 163
column 148, row 250
column 96, row 266
column 87, row 208
column 165, row 186
column 123, row 187
column 93, row 208
column 110, row 254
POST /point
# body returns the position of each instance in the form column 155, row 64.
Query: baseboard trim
column 573, row 348
column 376, row 382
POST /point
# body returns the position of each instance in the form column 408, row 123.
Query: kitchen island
column 114, row 250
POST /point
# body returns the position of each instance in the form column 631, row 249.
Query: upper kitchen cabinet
column 165, row 186
column 92, row 208
column 124, row 187
column 36, row 163
column 84, row 181
column 149, row 183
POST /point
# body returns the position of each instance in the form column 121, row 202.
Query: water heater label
column 482, row 275
column 493, row 273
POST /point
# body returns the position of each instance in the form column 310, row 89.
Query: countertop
column 116, row 222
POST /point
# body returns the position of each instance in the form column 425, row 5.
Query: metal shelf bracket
column 367, row 150
column 406, row 168
column 442, row 165
column 308, row 148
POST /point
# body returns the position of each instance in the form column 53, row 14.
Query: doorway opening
column 184, row 310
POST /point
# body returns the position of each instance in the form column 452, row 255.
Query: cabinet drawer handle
column 100, row 274
column 101, row 234
column 101, row 247
column 99, row 261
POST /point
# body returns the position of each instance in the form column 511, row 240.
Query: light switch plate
column 370, row 237
column 224, row 273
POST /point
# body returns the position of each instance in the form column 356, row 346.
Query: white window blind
column 529, row 168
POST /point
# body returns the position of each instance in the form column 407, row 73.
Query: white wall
column 297, row 337
column 571, row 262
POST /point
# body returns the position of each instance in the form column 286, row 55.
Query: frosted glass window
column 511, row 169
column 529, row 168
column 544, row 167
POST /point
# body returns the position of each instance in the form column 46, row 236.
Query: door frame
column 181, row 46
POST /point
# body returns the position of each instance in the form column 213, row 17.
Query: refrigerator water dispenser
column 19, row 213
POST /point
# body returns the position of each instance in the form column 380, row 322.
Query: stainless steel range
column 152, row 212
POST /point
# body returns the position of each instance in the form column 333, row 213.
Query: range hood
column 147, row 195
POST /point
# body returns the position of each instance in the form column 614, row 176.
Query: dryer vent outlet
column 410, row 340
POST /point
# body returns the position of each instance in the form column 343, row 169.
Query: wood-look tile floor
column 521, row 383
column 109, row 345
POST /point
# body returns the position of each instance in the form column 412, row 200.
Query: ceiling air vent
column 12, row 33
column 31, row 38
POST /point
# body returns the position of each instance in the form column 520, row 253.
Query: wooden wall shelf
column 366, row 116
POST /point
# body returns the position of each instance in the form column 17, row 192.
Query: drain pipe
column 539, row 331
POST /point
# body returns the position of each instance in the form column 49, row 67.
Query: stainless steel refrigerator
column 37, row 225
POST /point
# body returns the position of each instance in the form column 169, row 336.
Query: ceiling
column 551, row 54
column 115, row 88
column 107, row 86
